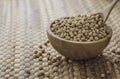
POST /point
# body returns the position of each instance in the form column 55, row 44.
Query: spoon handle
column 108, row 9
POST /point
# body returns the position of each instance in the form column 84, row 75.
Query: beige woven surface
column 23, row 29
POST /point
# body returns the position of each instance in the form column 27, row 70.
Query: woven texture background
column 23, row 26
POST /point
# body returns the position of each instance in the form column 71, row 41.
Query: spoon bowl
column 78, row 50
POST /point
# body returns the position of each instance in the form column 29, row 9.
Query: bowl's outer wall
column 78, row 50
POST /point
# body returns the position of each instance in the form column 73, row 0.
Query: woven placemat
column 25, row 52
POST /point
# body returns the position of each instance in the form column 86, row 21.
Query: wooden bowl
column 78, row 50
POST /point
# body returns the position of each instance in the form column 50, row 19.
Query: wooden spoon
column 106, row 12
column 82, row 50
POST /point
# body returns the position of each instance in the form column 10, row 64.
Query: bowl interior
column 109, row 30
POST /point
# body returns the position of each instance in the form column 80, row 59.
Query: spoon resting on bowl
column 106, row 12
column 80, row 50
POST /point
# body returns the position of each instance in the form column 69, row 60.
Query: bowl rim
column 109, row 29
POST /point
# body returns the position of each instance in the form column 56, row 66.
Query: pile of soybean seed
column 51, row 65
column 80, row 28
